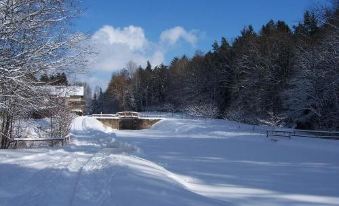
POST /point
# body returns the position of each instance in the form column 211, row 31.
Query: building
column 73, row 95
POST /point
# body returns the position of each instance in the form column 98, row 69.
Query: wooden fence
column 50, row 141
column 303, row 133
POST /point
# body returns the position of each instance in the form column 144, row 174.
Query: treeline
column 278, row 75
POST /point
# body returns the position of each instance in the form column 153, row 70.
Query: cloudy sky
column 158, row 30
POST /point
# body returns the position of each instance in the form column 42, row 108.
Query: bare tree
column 34, row 39
column 131, row 68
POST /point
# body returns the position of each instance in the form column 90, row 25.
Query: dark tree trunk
column 6, row 130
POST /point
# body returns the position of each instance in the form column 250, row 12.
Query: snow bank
column 87, row 124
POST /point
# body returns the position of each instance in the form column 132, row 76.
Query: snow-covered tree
column 313, row 97
column 205, row 110
column 35, row 39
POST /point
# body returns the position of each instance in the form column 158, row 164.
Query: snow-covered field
column 177, row 162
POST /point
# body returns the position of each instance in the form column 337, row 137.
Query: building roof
column 65, row 91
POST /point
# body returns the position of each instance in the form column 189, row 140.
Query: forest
column 279, row 75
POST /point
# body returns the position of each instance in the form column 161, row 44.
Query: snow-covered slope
column 177, row 162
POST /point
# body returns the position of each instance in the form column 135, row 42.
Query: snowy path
column 177, row 162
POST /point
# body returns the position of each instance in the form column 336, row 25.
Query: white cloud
column 157, row 57
column 130, row 36
column 114, row 47
column 173, row 35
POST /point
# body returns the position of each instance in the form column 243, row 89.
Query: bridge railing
column 104, row 115
column 128, row 114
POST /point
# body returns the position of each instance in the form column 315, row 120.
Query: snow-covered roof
column 66, row 91
column 77, row 110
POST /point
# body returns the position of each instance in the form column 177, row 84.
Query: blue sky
column 158, row 30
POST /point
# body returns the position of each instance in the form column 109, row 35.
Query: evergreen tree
column 307, row 31
column 94, row 105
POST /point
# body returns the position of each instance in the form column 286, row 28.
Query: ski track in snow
column 177, row 162
column 77, row 181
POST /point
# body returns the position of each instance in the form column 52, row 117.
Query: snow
column 34, row 128
column 65, row 91
column 176, row 162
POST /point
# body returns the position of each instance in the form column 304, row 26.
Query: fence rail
column 53, row 141
column 303, row 133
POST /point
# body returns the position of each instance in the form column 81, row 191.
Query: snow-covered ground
column 177, row 162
